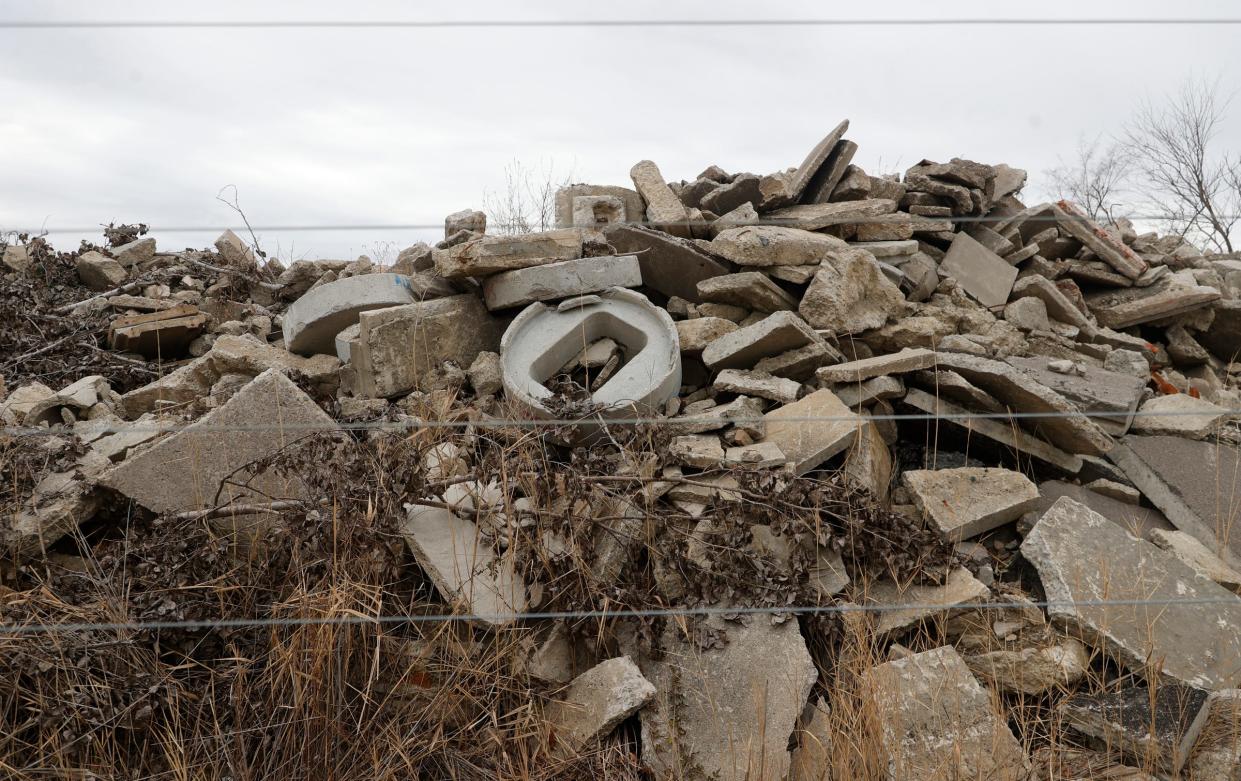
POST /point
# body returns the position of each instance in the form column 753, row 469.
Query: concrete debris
column 556, row 281
column 760, row 384
column 773, row 335
column 161, row 335
column 465, row 571
column 1198, row 557
column 1111, row 588
column 938, row 722
column 770, row 245
column 849, row 293
column 1179, row 414
column 905, row 604
column 812, row 430
column 979, row 271
column 1143, row 724
column 907, row 360
column 1216, row 756
column 748, row 289
column 595, row 702
column 487, row 255
column 966, row 502
column 313, row 321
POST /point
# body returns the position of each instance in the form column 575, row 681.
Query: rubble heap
column 995, row 440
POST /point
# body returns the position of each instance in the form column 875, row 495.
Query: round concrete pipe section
column 543, row 339
column 313, row 321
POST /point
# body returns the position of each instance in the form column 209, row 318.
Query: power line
column 441, row 24
column 597, row 418
column 833, row 609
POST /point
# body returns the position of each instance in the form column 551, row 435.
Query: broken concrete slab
column 1216, row 756
column 1033, row 671
column 313, row 321
column 696, row 334
column 979, row 271
column 99, row 272
column 1143, row 724
column 1198, row 557
column 850, row 294
column 772, row 245
column 1113, row 591
column 760, row 384
column 187, row 470
column 999, row 431
column 1110, row 398
column 58, row 504
column 726, row 712
column 819, row 158
column 868, row 464
column 486, row 255
column 1179, row 414
column 399, row 348
column 816, row 216
column 567, row 196
column 564, row 279
column 701, row 451
column 1197, row 485
column 1073, row 221
column 938, row 722
column 900, row 606
column 465, row 571
column 160, row 335
column 965, row 502
column 669, row 265
column 775, row 334
column 1132, row 306
column 907, row 360
column 663, row 208
column 595, row 702
column 812, row 430
column 749, row 289
column 1138, row 521
column 823, row 183
column 863, row 394
column 954, row 387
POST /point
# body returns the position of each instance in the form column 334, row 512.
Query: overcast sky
column 399, row 126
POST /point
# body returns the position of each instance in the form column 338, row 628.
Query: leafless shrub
column 527, row 203
column 1093, row 177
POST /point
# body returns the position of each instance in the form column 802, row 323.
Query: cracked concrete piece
column 907, row 360
column 863, row 394
column 1033, row 671
column 997, row 430
column 696, row 334
column 1216, row 756
column 726, row 713
column 969, row 501
column 1110, row 397
column 812, row 430
column 828, row 176
column 1141, row 724
column 775, row 334
column 313, row 321
column 669, row 265
column 186, row 470
column 1073, row 221
column 979, row 271
column 1179, row 414
column 1197, row 485
column 1198, row 557
column 923, row 600
column 485, row 255
column 400, row 348
column 1083, row 558
column 816, row 216
column 772, row 245
column 1125, row 307
column 1059, row 307
column 560, row 280
column 541, row 340
column 749, row 289
column 662, row 205
column 753, row 383
column 850, row 293
column 464, row 570
column 99, row 272
column 702, row 451
column 820, row 157
column 567, row 196
column 937, row 722
column 1065, row 426
column 595, row 702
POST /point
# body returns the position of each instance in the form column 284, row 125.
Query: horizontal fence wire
column 434, row 24
column 874, row 219
column 671, row 612
column 602, row 419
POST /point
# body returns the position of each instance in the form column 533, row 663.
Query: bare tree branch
column 528, row 200
column 1094, row 177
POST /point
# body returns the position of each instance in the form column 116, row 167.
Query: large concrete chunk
column 312, row 321
column 772, row 245
column 186, row 471
column 726, row 713
column 669, row 265
column 901, row 605
column 812, row 430
column 907, row 360
column 773, row 335
column 816, row 216
column 1196, row 484
column 1074, row 222
column 1143, row 724
column 1162, row 613
column 969, row 501
column 1059, row 307
column 541, row 340
column 979, row 271
column 560, row 280
column 999, row 431
column 1179, row 414
column 1136, row 305
column 849, row 294
column 816, row 160
column 749, row 289
column 1110, row 398
column 464, row 570
column 566, row 199
column 938, row 722
column 400, row 347
column 663, row 208
column 595, row 702
column 1063, row 424
column 486, row 255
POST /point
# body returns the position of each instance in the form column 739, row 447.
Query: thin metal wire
column 787, row 222
column 487, row 423
column 835, row 609
column 269, row 24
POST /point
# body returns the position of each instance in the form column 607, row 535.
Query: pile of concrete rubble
column 1054, row 397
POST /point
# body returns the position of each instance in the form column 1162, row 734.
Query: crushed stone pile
column 755, row 416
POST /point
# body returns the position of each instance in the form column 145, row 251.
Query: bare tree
column 1192, row 184
column 1094, row 177
column 528, row 201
